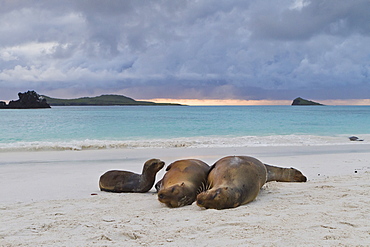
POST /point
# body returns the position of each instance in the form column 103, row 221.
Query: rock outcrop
column 27, row 100
column 300, row 101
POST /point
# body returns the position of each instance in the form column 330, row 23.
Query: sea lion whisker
column 209, row 186
column 201, row 188
column 185, row 201
column 204, row 187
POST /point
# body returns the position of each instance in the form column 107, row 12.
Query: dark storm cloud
column 186, row 49
column 330, row 17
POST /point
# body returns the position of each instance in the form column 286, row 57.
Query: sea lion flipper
column 282, row 174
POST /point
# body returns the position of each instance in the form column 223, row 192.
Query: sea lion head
column 154, row 165
column 296, row 175
column 220, row 198
column 176, row 196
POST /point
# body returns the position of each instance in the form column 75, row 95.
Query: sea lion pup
column 237, row 180
column 182, row 182
column 125, row 181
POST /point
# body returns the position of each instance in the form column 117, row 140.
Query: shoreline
column 184, row 142
column 50, row 201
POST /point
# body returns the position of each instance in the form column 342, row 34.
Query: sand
column 46, row 200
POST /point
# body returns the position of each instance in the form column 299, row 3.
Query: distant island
column 32, row 100
column 300, row 101
column 103, row 100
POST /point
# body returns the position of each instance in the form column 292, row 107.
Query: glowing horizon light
column 210, row 102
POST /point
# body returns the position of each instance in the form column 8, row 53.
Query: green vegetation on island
column 300, row 101
column 103, row 100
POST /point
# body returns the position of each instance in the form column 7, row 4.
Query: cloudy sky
column 188, row 49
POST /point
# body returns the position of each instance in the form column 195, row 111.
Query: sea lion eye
column 217, row 192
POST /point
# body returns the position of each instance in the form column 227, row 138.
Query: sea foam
column 188, row 142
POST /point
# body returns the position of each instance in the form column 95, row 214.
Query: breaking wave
column 189, row 142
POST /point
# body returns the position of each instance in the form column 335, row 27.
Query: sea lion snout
column 161, row 196
column 208, row 199
column 157, row 164
column 204, row 197
column 171, row 196
column 161, row 164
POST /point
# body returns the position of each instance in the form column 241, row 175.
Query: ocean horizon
column 105, row 127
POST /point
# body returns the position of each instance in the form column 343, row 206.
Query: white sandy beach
column 46, row 200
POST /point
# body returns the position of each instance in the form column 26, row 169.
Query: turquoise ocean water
column 90, row 127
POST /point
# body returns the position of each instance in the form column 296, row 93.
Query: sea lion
column 182, row 182
column 237, row 180
column 355, row 138
column 125, row 181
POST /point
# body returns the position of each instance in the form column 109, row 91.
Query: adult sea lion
column 182, row 182
column 237, row 180
column 125, row 181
